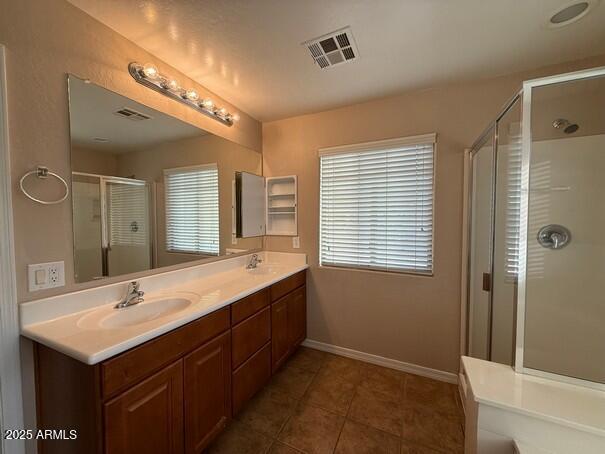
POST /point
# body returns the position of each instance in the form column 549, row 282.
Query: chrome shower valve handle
column 554, row 236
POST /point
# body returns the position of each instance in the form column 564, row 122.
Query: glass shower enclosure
column 112, row 232
column 535, row 252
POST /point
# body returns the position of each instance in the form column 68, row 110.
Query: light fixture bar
column 149, row 76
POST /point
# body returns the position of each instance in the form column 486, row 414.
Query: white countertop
column 500, row 386
column 64, row 322
column 524, row 448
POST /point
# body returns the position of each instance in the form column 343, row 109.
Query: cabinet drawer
column 284, row 287
column 126, row 369
column 247, row 306
column 250, row 377
column 250, row 335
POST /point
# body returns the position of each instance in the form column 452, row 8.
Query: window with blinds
column 376, row 205
column 128, row 214
column 192, row 222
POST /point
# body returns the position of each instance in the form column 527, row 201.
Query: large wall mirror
column 149, row 190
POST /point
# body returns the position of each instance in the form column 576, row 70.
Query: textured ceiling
column 249, row 52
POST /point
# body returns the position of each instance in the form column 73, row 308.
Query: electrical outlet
column 296, row 242
column 46, row 275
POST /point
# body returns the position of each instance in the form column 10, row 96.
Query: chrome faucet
column 133, row 296
column 254, row 261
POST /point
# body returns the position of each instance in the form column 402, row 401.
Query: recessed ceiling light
column 570, row 13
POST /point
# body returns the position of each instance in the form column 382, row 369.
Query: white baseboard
column 382, row 361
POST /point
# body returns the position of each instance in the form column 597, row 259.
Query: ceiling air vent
column 333, row 49
column 132, row 114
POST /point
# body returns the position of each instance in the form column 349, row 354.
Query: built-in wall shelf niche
column 282, row 208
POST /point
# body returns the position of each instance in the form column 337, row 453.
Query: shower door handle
column 105, row 261
column 487, row 282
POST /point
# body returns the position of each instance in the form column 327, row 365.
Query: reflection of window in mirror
column 192, row 209
column 129, row 172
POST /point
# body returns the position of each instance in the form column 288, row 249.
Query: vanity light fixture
column 149, row 76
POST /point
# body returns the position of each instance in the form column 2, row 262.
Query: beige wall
column 87, row 160
column 408, row 318
column 45, row 40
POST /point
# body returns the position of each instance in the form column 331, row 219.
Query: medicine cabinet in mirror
column 266, row 206
column 149, row 190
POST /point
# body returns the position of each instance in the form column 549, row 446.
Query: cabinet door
column 279, row 333
column 207, row 392
column 297, row 317
column 149, row 416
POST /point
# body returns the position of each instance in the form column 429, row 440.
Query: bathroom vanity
column 172, row 391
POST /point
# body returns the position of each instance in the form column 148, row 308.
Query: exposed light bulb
column 172, row 84
column 192, row 95
column 149, row 76
column 208, row 104
column 150, row 71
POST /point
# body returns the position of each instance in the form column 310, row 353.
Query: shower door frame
column 528, row 86
column 492, row 128
column 474, row 150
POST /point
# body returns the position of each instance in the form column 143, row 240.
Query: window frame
column 185, row 169
column 376, row 146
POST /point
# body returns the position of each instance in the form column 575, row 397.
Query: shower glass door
column 480, row 244
column 127, row 235
column 112, row 231
column 506, row 234
column 495, row 195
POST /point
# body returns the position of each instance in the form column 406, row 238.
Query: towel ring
column 43, row 172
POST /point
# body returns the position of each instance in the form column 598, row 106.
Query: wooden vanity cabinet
column 148, row 417
column 169, row 395
column 250, row 377
column 288, row 325
column 175, row 393
column 279, row 329
column 251, row 352
column 262, row 342
column 297, row 317
column 207, row 380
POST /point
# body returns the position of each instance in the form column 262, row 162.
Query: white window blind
column 128, row 214
column 192, row 223
column 376, row 205
column 513, row 203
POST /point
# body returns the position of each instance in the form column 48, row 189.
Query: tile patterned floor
column 320, row 403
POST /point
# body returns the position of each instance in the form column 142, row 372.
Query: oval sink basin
column 144, row 312
column 154, row 308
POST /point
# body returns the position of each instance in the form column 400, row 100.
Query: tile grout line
column 299, row 401
column 344, row 421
